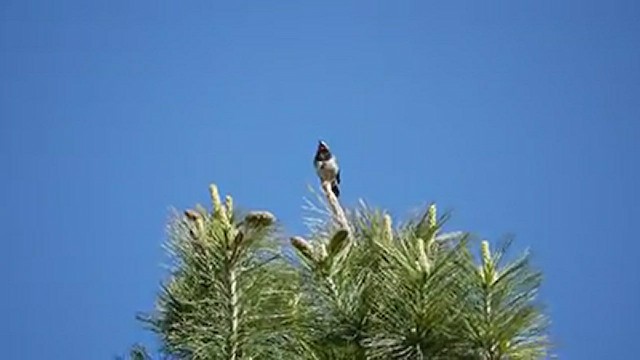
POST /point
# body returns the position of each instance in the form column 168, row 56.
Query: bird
column 327, row 167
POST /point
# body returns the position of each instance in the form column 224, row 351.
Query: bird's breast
column 327, row 170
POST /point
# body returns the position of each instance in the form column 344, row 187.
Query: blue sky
column 521, row 117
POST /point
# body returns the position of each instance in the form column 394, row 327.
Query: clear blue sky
column 522, row 118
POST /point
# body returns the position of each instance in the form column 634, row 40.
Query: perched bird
column 327, row 167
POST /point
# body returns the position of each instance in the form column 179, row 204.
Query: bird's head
column 322, row 146
column 323, row 152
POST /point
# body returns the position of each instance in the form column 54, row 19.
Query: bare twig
column 337, row 211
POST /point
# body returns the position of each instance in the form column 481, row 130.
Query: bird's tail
column 335, row 188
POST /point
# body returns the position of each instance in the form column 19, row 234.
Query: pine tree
column 358, row 288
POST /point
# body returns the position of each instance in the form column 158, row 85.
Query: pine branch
column 229, row 290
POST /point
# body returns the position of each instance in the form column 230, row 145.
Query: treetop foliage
column 362, row 288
